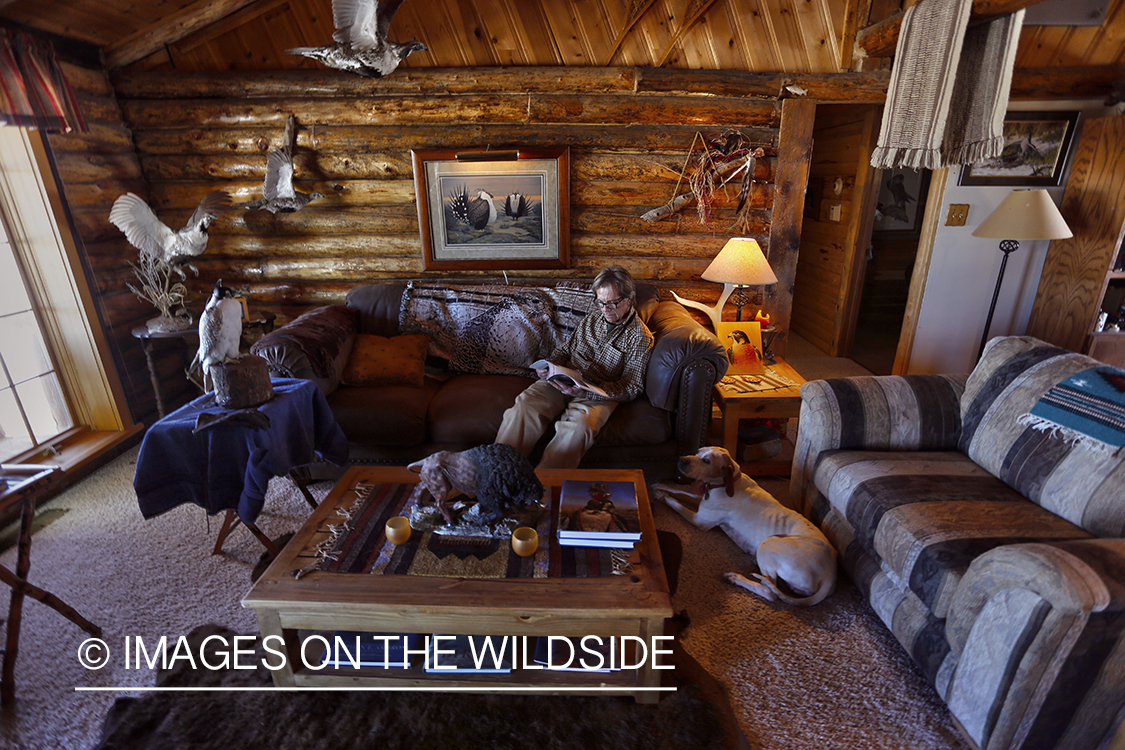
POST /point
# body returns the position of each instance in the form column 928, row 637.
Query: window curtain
column 34, row 92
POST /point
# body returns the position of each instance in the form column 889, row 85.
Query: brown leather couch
column 398, row 424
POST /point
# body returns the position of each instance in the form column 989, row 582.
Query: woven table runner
column 361, row 546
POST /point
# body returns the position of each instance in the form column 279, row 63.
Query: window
column 33, row 409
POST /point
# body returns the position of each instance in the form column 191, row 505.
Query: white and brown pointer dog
column 797, row 563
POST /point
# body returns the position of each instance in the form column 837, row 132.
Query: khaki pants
column 575, row 431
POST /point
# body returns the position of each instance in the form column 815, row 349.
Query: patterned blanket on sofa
column 492, row 329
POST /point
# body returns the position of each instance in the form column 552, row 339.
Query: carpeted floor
column 827, row 677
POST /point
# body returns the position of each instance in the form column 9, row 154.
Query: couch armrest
column 1038, row 632
column 687, row 360
column 885, row 412
column 314, row 346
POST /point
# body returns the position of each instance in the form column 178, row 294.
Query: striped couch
column 992, row 551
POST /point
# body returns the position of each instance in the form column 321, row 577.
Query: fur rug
column 696, row 716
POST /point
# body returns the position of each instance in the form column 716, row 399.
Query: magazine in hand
column 593, row 510
column 566, row 376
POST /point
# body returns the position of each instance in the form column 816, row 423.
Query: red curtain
column 33, row 91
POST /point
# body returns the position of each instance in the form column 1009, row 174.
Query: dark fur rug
column 696, row 716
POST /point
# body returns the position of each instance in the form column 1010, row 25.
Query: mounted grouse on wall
column 280, row 195
column 153, row 237
column 361, row 45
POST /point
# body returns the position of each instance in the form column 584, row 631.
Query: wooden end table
column 779, row 403
column 635, row 604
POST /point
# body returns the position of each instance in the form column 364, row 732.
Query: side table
column 777, row 403
column 227, row 466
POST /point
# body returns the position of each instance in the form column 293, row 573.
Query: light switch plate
column 958, row 213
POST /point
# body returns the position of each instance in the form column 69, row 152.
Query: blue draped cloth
column 228, row 466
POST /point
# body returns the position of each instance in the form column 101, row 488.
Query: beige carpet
column 829, row 677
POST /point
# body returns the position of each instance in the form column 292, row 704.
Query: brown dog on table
column 797, row 563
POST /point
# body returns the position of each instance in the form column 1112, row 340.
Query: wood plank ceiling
column 794, row 36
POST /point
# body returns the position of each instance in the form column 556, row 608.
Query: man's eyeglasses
column 611, row 305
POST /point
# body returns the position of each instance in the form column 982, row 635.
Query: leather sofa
column 989, row 545
column 459, row 406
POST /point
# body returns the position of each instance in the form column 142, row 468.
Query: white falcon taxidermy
column 361, row 45
column 153, row 237
column 220, row 332
column 280, row 195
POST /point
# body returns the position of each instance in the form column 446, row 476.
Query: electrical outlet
column 958, row 213
column 834, row 212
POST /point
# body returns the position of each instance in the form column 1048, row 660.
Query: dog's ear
column 729, row 475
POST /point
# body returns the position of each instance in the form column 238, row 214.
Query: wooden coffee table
column 635, row 604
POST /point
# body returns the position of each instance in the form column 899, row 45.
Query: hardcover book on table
column 600, row 543
column 592, row 510
column 381, row 650
column 469, row 654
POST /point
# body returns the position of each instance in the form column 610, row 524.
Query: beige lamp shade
column 1024, row 215
column 740, row 262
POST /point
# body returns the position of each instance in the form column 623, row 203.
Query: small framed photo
column 900, row 201
column 493, row 209
column 245, row 302
column 1036, row 145
column 743, row 342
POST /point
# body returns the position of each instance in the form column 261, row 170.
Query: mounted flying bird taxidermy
column 220, row 332
column 361, row 45
column 280, row 195
column 154, row 238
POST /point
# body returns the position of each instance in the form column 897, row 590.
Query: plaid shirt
column 613, row 357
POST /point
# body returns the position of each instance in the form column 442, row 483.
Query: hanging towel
column 949, row 89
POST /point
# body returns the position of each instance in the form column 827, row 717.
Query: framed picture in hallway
column 495, row 209
column 1036, row 145
column 900, row 203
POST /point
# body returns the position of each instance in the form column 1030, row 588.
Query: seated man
column 611, row 349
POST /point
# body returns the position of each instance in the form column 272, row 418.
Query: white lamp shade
column 741, row 262
column 1025, row 215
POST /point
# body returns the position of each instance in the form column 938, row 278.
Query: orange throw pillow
column 379, row 360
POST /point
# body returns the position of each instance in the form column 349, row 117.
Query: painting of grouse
column 153, row 237
column 515, row 205
column 361, row 45
column 477, row 212
column 220, row 331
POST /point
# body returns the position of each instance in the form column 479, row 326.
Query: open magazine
column 567, row 376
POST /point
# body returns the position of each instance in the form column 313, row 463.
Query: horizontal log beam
column 880, row 39
column 389, row 138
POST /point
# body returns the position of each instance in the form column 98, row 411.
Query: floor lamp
column 1023, row 215
column 741, row 263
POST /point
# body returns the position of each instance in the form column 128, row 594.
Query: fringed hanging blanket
column 1088, row 409
column 496, row 329
column 949, row 88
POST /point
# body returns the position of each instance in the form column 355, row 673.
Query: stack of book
column 598, row 514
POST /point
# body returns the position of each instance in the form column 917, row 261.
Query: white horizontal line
column 389, row 689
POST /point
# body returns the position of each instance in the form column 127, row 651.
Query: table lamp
column 1023, row 215
column 741, row 263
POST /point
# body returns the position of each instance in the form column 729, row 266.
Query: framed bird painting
column 1036, row 145
column 743, row 342
column 493, row 209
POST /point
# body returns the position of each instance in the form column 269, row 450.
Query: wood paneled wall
column 829, row 278
column 193, row 134
column 94, row 169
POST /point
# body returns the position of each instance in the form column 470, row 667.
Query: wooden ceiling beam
column 880, row 39
column 170, row 30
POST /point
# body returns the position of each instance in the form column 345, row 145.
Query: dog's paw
column 754, row 587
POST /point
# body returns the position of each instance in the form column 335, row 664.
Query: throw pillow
column 379, row 360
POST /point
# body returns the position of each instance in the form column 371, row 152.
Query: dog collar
column 716, row 485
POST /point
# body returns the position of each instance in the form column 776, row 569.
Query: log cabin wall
column 628, row 148
column 829, row 276
column 94, row 168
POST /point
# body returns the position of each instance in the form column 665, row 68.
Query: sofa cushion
column 468, row 408
column 399, row 420
column 376, row 306
column 929, row 545
column 1079, row 483
column 382, row 360
column 636, row 422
